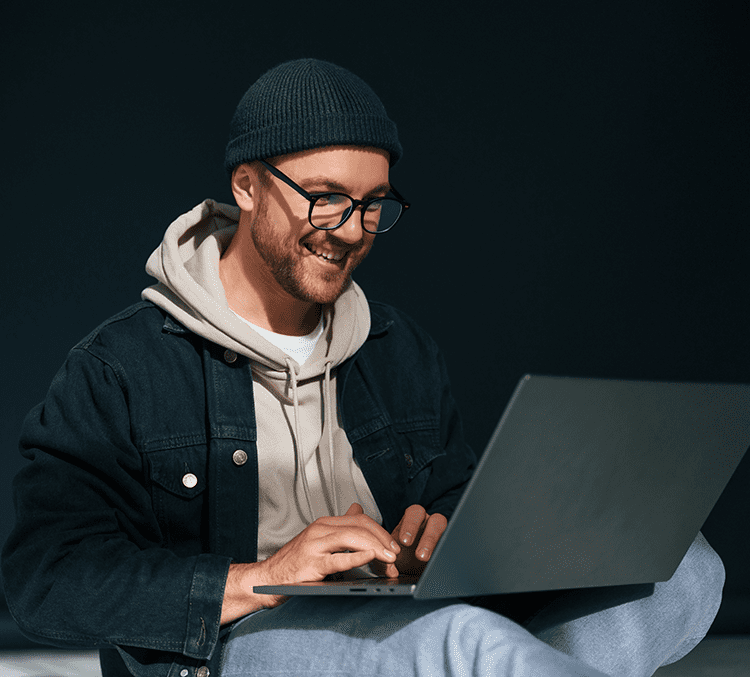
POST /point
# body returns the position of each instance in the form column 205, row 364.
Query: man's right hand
column 327, row 546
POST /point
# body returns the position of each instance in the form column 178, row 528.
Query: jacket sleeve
column 84, row 566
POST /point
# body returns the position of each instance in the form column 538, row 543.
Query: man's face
column 309, row 264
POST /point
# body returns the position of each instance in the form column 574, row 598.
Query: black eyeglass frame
column 312, row 198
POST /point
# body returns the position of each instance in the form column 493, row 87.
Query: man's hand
column 327, row 546
column 417, row 533
column 330, row 545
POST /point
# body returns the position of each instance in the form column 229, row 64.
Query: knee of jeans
column 702, row 573
column 714, row 572
column 460, row 622
column 468, row 625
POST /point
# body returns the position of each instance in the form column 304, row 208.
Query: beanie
column 305, row 104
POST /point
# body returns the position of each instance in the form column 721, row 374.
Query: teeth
column 327, row 256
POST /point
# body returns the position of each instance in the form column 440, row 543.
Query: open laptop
column 584, row 483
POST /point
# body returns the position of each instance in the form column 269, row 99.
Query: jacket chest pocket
column 420, row 446
column 397, row 464
column 178, row 488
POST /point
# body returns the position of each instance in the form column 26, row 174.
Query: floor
column 715, row 656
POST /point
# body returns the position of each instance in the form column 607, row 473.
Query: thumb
column 355, row 509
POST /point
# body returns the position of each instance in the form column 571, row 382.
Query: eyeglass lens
column 331, row 210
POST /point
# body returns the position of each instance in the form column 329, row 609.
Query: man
column 256, row 420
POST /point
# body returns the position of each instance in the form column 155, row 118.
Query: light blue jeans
column 583, row 632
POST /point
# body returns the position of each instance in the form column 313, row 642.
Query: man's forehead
column 338, row 167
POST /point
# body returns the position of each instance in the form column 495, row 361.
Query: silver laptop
column 584, row 483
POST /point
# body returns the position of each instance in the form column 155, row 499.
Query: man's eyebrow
column 336, row 187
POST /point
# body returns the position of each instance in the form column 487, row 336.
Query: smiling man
column 257, row 420
column 290, row 256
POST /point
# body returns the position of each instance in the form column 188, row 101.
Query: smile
column 328, row 256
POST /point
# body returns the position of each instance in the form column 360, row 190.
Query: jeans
column 580, row 632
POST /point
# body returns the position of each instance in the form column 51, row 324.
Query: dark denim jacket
column 112, row 549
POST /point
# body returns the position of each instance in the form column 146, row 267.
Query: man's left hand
column 417, row 533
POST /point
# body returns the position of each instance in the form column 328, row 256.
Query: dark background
column 578, row 173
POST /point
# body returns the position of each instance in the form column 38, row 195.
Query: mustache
column 322, row 237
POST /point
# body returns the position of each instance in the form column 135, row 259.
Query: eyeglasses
column 331, row 210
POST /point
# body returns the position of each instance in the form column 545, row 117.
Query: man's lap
column 361, row 636
column 386, row 636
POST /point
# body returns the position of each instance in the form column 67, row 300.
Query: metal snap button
column 230, row 356
column 184, row 672
column 190, row 480
column 239, row 457
column 202, row 671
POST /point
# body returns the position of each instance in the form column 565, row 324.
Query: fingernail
column 406, row 538
column 394, row 546
column 389, row 554
column 423, row 553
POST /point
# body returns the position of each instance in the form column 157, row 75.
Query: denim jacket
column 134, row 501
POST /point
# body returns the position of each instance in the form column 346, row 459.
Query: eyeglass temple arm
column 283, row 177
column 404, row 203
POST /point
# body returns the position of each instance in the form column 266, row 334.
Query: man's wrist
column 239, row 598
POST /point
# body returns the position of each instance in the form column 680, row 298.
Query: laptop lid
column 591, row 482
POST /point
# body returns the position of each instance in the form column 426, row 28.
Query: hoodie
column 305, row 463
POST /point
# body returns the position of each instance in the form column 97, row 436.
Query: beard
column 295, row 269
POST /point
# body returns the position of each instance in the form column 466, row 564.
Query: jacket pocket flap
column 180, row 471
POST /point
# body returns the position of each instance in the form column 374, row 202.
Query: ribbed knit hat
column 305, row 104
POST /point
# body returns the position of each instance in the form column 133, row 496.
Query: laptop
column 584, row 483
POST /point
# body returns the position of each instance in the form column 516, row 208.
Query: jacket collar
column 172, row 326
column 378, row 324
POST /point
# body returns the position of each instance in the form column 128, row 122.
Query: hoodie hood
column 186, row 265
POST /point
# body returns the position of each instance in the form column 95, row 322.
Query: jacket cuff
column 204, row 606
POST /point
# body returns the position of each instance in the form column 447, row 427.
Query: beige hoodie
column 305, row 462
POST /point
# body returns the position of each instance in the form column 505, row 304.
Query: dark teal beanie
column 306, row 104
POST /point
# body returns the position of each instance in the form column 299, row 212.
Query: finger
column 360, row 521
column 434, row 529
column 411, row 524
column 343, row 561
column 385, row 570
column 391, row 571
column 357, row 540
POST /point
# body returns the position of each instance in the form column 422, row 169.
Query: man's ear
column 244, row 187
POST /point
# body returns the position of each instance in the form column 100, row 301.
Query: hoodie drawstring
column 328, row 418
column 297, row 438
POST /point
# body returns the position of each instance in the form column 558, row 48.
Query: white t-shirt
column 298, row 347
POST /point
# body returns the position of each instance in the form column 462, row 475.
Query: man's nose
column 351, row 230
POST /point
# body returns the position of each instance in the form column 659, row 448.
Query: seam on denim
column 151, row 446
column 90, row 640
column 372, row 426
column 223, row 431
column 125, row 314
column 416, row 424
column 112, row 363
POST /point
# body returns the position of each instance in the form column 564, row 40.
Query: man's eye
column 375, row 207
column 332, row 200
